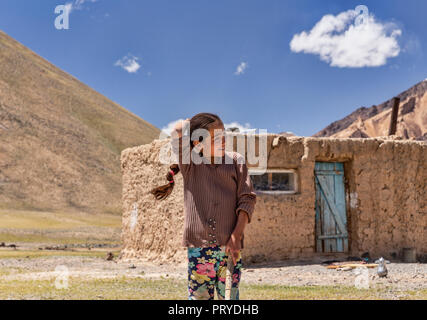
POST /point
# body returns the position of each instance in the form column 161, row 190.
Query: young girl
column 219, row 200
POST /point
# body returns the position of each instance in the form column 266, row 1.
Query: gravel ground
column 401, row 276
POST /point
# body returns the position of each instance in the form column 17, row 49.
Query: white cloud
column 128, row 63
column 242, row 128
column 341, row 42
column 167, row 130
column 69, row 7
column 77, row 4
column 241, row 68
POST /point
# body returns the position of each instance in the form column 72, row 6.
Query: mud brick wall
column 386, row 198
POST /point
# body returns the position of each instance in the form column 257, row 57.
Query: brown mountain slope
column 60, row 141
column 375, row 121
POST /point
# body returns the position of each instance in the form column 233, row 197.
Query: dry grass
column 40, row 227
column 55, row 220
column 131, row 288
column 31, row 254
column 61, row 140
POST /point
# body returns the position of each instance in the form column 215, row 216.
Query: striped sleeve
column 246, row 196
column 181, row 150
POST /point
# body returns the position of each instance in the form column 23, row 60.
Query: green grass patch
column 279, row 292
column 55, row 220
column 18, row 254
column 131, row 288
column 9, row 271
column 50, row 238
column 110, row 289
column 22, row 226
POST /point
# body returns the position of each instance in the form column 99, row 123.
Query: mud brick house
column 318, row 197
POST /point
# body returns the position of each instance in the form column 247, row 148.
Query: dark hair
column 199, row 121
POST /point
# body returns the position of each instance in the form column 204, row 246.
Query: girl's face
column 217, row 143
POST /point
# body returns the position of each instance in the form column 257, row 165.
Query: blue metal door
column 331, row 217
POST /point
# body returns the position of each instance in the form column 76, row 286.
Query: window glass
column 282, row 181
column 274, row 181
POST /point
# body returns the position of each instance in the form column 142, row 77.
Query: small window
column 274, row 181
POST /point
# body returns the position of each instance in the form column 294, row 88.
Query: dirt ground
column 401, row 276
column 28, row 272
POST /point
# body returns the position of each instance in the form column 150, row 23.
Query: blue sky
column 189, row 53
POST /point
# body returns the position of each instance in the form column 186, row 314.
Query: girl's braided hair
column 199, row 121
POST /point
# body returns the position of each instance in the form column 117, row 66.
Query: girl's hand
column 233, row 247
column 234, row 244
column 178, row 127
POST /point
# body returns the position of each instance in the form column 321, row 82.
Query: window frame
column 277, row 192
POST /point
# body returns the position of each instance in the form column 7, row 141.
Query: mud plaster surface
column 386, row 200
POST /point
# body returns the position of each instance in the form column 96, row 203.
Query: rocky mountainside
column 60, row 140
column 375, row 121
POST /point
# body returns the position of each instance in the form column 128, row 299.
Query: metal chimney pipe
column 394, row 114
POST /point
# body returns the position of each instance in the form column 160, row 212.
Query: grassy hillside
column 60, row 140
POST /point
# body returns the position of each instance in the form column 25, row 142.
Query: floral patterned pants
column 207, row 270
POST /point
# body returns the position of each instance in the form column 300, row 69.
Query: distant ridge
column 374, row 121
column 60, row 140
